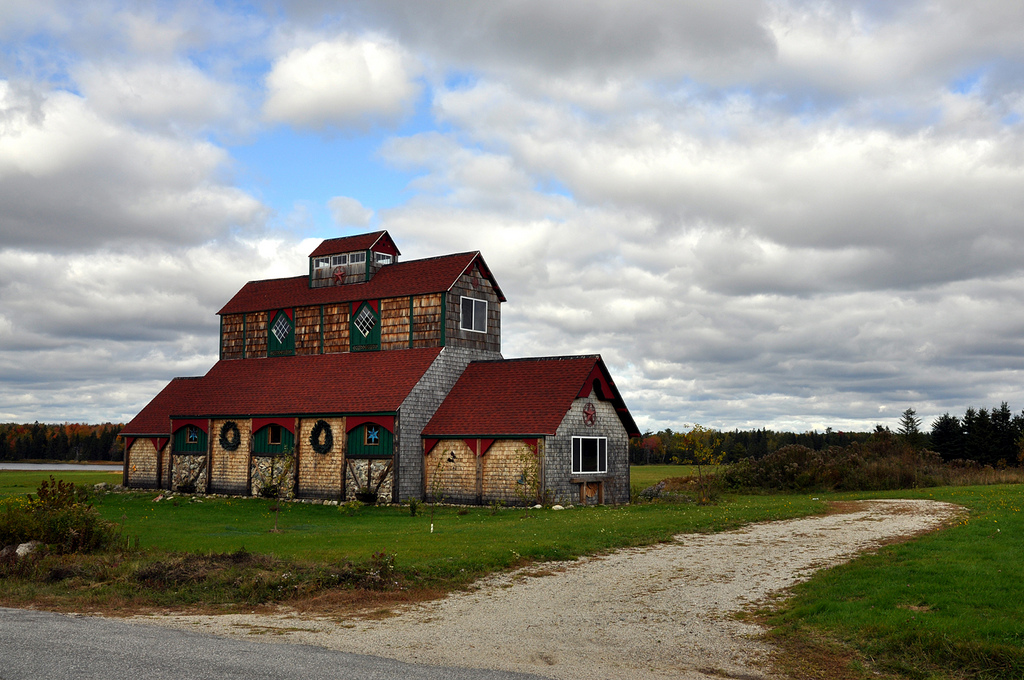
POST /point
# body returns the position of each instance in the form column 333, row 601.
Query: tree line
column 984, row 436
column 66, row 441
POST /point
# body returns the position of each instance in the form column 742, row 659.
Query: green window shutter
column 280, row 335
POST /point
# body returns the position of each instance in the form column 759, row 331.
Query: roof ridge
column 561, row 357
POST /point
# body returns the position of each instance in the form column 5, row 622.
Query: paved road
column 36, row 645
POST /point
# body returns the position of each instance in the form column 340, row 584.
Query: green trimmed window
column 281, row 335
column 370, row 440
column 364, row 329
column 189, row 439
column 273, row 440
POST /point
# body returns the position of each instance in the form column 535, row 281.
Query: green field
column 643, row 476
column 951, row 599
column 946, row 605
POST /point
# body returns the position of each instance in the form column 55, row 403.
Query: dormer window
column 382, row 258
column 321, row 262
column 474, row 315
column 339, row 260
column 355, row 258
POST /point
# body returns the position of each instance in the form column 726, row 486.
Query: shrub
column 884, row 462
column 60, row 516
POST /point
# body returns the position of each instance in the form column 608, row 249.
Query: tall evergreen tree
column 948, row 437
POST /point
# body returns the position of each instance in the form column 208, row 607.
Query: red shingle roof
column 357, row 382
column 347, row 244
column 415, row 277
column 522, row 397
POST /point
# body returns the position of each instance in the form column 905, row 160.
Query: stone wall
column 189, row 473
column 418, row 408
column 359, row 472
column 266, row 470
column 557, row 472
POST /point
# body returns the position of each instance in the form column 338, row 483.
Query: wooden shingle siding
column 503, row 467
column 320, row 473
column 558, row 477
column 336, row 323
column 232, row 336
column 229, row 470
column 450, row 473
column 426, row 320
column 142, row 464
column 394, row 323
column 255, row 335
column 474, row 285
column 307, row 330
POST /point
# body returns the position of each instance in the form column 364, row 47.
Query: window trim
column 366, row 435
column 357, row 257
column 339, row 260
column 476, row 314
column 382, row 258
column 365, row 316
column 271, row 439
column 601, row 454
column 321, row 262
column 192, row 434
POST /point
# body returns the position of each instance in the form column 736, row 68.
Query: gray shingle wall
column 419, row 407
column 558, row 453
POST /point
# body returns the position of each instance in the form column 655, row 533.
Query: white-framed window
column 365, row 321
column 339, row 260
column 589, row 455
column 382, row 258
column 474, row 315
column 354, row 258
column 321, row 262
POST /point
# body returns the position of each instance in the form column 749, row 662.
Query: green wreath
column 230, row 437
column 321, row 428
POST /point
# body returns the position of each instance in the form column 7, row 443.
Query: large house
column 371, row 375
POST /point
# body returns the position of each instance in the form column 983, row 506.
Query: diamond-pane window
column 282, row 327
column 365, row 321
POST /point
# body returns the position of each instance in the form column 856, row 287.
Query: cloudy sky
column 775, row 214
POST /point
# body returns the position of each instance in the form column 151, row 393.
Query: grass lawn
column 949, row 604
column 21, row 482
column 643, row 476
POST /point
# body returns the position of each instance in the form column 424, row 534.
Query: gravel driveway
column 664, row 611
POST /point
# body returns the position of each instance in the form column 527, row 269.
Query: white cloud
column 175, row 95
column 342, row 83
column 71, row 179
column 348, row 212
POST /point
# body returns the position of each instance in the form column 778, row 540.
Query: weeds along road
column 36, row 645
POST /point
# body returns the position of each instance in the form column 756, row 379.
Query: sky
column 784, row 214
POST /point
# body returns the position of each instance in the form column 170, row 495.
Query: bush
column 60, row 516
column 883, row 463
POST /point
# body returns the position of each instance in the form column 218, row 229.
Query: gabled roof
column 523, row 397
column 378, row 241
column 354, row 382
column 414, row 277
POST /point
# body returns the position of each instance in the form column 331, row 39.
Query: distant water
column 44, row 467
